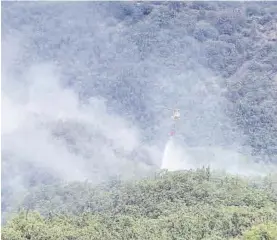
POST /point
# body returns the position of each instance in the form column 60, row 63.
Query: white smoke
column 141, row 66
column 34, row 105
column 180, row 157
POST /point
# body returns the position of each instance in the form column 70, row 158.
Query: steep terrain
column 84, row 86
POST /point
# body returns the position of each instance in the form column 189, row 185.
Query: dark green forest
column 237, row 42
column 170, row 205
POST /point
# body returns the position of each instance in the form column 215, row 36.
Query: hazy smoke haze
column 84, row 86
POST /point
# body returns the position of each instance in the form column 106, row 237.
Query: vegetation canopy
column 170, row 205
column 83, row 83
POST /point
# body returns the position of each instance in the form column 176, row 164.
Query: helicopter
column 175, row 116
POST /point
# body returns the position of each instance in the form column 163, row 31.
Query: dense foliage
column 144, row 51
column 207, row 57
column 179, row 205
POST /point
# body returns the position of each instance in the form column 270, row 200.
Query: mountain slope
column 84, row 86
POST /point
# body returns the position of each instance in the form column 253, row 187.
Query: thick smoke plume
column 178, row 157
column 47, row 125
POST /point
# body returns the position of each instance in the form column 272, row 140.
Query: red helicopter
column 175, row 116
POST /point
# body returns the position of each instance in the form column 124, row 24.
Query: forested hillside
column 84, row 91
column 180, row 205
